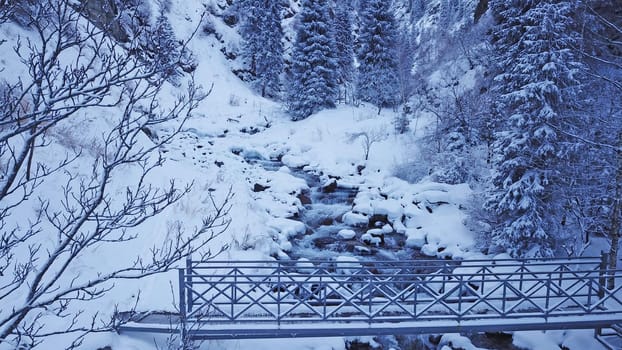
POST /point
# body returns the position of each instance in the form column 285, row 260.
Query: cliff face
column 105, row 14
column 122, row 19
column 438, row 25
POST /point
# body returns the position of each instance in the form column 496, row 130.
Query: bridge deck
column 215, row 330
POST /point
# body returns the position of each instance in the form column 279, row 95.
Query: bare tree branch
column 75, row 67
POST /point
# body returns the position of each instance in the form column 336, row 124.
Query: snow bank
column 430, row 215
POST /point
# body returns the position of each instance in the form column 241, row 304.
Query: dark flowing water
column 324, row 206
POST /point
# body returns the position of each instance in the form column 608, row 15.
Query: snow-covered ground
column 232, row 125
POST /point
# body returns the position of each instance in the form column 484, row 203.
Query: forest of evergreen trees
column 546, row 122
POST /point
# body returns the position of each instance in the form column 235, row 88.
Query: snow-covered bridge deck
column 278, row 299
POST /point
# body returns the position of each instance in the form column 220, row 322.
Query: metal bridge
column 280, row 299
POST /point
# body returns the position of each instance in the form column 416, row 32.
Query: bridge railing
column 394, row 291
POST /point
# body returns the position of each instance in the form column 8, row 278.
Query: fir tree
column 164, row 47
column 378, row 81
column 536, row 89
column 313, row 80
column 262, row 50
column 250, row 30
column 344, row 39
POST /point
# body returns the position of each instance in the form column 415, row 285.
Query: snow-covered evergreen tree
column 262, row 47
column 405, row 59
column 164, row 47
column 344, row 39
column 313, row 78
column 536, row 89
column 378, row 81
column 250, row 28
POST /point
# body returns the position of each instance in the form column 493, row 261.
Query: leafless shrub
column 75, row 67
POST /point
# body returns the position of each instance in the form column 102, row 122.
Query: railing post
column 189, row 283
column 460, row 297
column 590, row 289
column 547, row 301
column 182, row 307
column 445, row 277
column 504, row 296
column 278, row 293
column 234, row 292
column 322, row 297
column 560, row 280
column 482, row 291
column 370, row 298
column 602, row 274
column 522, row 276
column 415, row 295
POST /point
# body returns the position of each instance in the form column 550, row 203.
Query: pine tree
column 262, row 47
column 378, row 81
column 536, row 89
column 164, row 47
column 250, row 30
column 405, row 49
column 344, row 39
column 313, row 79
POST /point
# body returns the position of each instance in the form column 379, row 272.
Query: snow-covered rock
column 370, row 239
column 294, row 161
column 399, row 227
column 392, row 208
column 287, row 227
column 355, row 219
column 415, row 238
column 346, row 234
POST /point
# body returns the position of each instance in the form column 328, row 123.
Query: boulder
column 304, row 199
column 259, row 188
column 346, row 234
column 330, row 186
column 378, row 220
column 355, row 219
column 369, row 239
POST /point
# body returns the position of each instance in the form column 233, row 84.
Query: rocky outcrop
column 105, row 15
